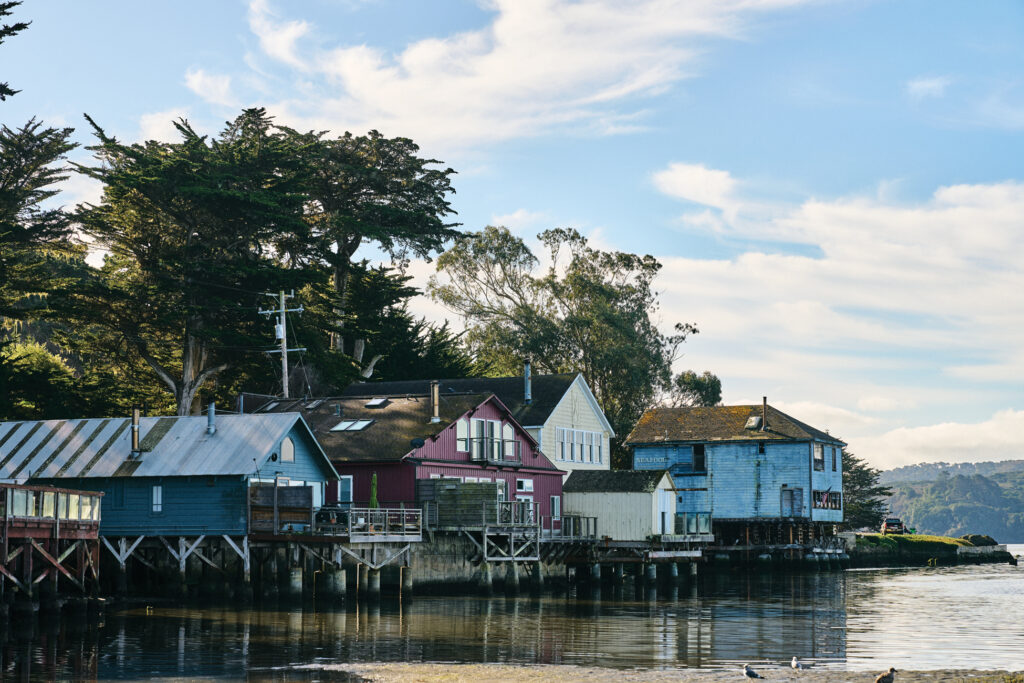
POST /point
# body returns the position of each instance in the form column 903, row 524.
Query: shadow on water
column 831, row 619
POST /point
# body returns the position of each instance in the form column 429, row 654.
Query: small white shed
column 630, row 505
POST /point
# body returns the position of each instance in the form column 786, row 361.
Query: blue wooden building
column 174, row 476
column 763, row 476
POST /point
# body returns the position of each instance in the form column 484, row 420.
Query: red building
column 403, row 438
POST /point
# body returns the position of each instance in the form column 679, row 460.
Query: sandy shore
column 480, row 673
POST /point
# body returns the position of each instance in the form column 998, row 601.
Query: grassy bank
column 912, row 550
column 912, row 543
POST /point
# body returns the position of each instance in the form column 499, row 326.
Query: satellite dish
column 417, row 443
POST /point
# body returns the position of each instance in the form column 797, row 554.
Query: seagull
column 797, row 664
column 887, row 677
column 750, row 673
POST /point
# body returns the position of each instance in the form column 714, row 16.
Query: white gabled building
column 630, row 505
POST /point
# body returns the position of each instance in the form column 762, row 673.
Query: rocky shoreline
column 389, row 672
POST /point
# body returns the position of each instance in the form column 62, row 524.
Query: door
column 666, row 508
column 787, row 502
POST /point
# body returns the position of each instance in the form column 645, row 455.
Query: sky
column 835, row 189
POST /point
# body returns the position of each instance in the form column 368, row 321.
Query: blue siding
column 194, row 505
column 743, row 483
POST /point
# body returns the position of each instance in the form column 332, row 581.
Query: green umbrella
column 373, row 491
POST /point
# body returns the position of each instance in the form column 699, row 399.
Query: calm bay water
column 923, row 619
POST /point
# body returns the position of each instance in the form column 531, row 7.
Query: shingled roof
column 720, row 423
column 613, row 481
column 546, row 391
column 395, row 422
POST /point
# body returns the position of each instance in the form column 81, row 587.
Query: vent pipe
column 435, row 400
column 135, row 431
column 527, row 382
column 337, row 410
column 211, row 419
column 764, row 413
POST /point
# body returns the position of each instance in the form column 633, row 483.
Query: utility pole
column 281, row 330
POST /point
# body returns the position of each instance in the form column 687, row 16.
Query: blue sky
column 834, row 188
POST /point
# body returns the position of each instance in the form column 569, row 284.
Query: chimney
column 135, row 432
column 435, row 400
column 527, row 383
column 211, row 419
column 764, row 413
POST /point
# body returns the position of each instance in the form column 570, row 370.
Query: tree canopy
column 865, row 501
column 589, row 311
column 6, row 31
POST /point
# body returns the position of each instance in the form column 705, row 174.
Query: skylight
column 314, row 404
column 376, row 402
column 270, row 406
column 351, row 425
column 753, row 422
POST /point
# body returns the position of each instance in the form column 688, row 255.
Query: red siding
column 396, row 480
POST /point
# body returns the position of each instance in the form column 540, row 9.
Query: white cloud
column 519, row 220
column 160, row 125
column 213, row 88
column 1000, row 437
column 881, row 404
column 697, row 183
column 538, row 67
column 921, row 88
column 277, row 39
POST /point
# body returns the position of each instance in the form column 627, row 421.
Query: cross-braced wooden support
column 27, row 562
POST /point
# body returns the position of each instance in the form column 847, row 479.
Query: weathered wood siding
column 574, row 412
column 621, row 516
column 741, row 483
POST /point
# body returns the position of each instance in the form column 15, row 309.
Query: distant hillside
column 953, row 500
column 931, row 471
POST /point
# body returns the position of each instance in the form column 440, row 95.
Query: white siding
column 574, row 412
column 620, row 516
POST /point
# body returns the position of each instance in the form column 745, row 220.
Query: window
column 560, row 447
column 828, row 500
column 479, row 432
column 524, row 485
column 509, row 443
column 819, row 457
column 48, row 504
column 351, row 425
column 699, row 461
column 158, row 499
column 577, row 445
column 833, row 458
column 345, row 490
column 314, row 404
column 62, row 505
column 599, row 447
column 494, row 438
column 556, row 506
column 462, row 435
column 435, row 476
column 760, row 447
column 376, row 403
column 287, row 450
column 87, row 507
column 73, row 506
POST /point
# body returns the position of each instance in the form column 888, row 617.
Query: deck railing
column 494, row 450
column 372, row 522
column 566, row 527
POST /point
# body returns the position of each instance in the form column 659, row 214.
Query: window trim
column 157, row 499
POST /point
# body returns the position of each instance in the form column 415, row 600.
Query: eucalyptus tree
column 589, row 311
column 6, row 31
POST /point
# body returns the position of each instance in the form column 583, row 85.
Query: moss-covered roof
column 721, row 423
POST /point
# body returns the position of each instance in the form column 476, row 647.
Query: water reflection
column 854, row 619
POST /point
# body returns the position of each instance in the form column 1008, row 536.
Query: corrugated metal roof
column 172, row 446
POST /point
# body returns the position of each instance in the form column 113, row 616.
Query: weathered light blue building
column 764, row 477
column 180, row 476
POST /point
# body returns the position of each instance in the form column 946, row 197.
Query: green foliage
column 691, row 389
column 6, row 31
column 979, row 539
column 864, row 499
column 189, row 227
column 957, row 505
column 36, row 385
column 911, row 542
column 33, row 240
column 591, row 311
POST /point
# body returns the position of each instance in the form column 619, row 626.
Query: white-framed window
column 560, row 447
column 351, row 425
column 556, row 506
column 479, row 434
column 524, row 485
column 158, row 499
column 508, row 441
column 599, row 447
column 494, row 438
column 287, row 450
column 462, row 435
column 435, row 476
column 345, row 489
